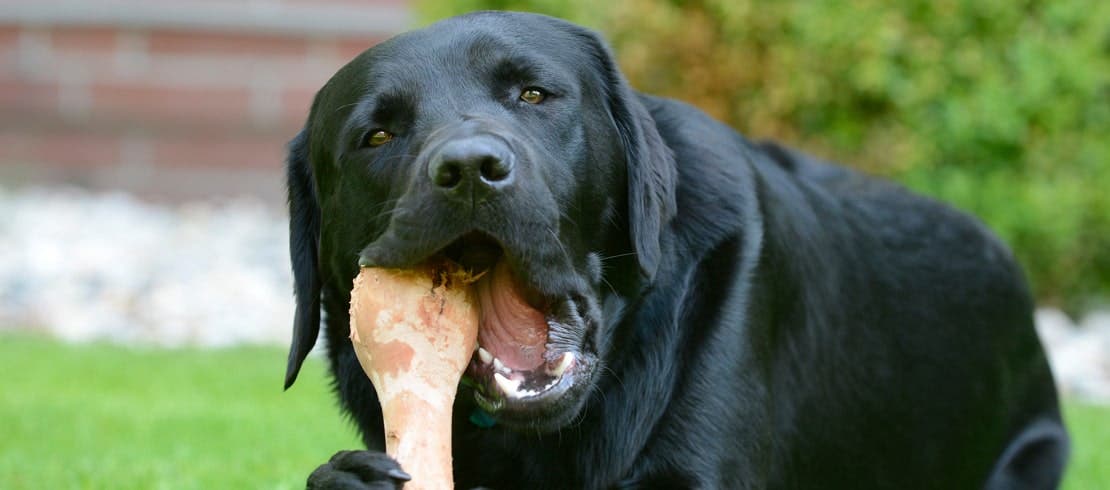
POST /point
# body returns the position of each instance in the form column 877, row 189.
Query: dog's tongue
column 510, row 329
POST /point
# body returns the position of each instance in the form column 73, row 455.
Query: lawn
column 99, row 416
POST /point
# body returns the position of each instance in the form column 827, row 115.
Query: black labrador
column 667, row 304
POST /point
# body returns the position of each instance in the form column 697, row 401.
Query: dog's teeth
column 507, row 385
column 484, row 355
column 564, row 363
column 500, row 367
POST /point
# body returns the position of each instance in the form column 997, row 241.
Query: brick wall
column 174, row 98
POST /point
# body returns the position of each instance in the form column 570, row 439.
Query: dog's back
column 931, row 359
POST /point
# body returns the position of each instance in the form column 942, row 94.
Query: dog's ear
column 649, row 161
column 304, row 244
column 651, row 182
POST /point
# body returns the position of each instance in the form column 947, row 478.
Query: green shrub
column 1001, row 108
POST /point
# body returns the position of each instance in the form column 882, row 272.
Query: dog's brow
column 515, row 68
column 390, row 104
column 483, row 47
column 528, row 70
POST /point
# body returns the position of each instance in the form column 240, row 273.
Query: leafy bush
column 1001, row 108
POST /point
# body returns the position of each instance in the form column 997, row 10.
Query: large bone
column 414, row 332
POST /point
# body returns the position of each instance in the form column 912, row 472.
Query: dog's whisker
column 605, row 258
column 558, row 241
column 391, row 158
column 380, row 213
column 608, row 284
column 612, row 219
column 344, row 106
column 388, row 213
column 565, row 215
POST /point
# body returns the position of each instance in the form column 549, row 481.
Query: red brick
column 9, row 36
column 318, row 72
column 348, row 47
column 84, row 40
column 219, row 150
column 401, row 4
column 9, row 49
column 223, row 44
column 59, row 147
column 171, row 105
column 295, row 104
column 19, row 98
column 234, row 71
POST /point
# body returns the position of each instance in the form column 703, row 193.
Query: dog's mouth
column 529, row 350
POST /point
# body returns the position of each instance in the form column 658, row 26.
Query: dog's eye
column 377, row 137
column 532, row 95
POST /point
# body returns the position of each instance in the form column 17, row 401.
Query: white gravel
column 84, row 266
column 109, row 267
column 1079, row 352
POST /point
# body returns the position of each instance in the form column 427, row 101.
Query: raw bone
column 414, row 332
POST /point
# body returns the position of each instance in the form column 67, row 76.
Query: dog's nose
column 477, row 164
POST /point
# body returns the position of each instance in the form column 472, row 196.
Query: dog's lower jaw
column 548, row 396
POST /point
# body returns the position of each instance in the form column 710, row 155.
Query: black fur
column 304, row 245
column 749, row 317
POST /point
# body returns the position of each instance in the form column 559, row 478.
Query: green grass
column 100, row 416
column 1089, row 467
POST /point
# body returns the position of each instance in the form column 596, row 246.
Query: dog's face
column 509, row 144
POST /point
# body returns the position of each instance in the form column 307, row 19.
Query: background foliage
column 999, row 107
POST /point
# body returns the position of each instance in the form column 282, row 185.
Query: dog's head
column 511, row 144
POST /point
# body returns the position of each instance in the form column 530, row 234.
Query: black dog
column 667, row 305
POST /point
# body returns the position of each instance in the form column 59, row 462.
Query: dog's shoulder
column 879, row 205
column 818, row 208
column 906, row 240
column 691, row 133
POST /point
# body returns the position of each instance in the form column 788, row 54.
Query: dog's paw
column 358, row 470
